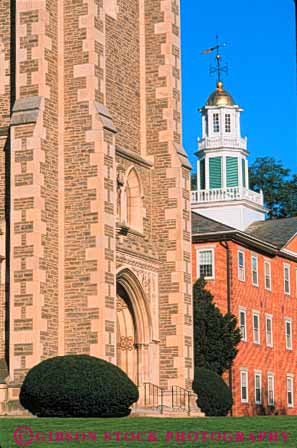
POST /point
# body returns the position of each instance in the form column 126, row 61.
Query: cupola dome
column 220, row 97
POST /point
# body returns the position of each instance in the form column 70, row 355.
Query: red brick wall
column 252, row 356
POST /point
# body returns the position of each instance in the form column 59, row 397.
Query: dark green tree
column 216, row 335
column 193, row 181
column 279, row 189
column 289, row 198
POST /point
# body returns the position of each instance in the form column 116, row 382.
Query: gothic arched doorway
column 127, row 357
column 133, row 328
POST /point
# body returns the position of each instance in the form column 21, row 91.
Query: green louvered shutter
column 215, row 172
column 202, row 174
column 243, row 172
column 232, row 171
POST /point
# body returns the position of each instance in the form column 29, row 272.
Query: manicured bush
column 214, row 396
column 77, row 386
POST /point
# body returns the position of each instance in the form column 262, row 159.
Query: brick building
column 250, row 264
column 94, row 190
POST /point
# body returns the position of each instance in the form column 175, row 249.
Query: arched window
column 134, row 208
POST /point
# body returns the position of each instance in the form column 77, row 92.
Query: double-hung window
column 244, row 386
column 269, row 334
column 287, row 278
column 255, row 280
column 256, row 327
column 288, row 328
column 290, row 390
column 258, row 388
column 270, row 389
column 228, row 123
column 241, row 265
column 216, row 123
column 242, row 324
column 205, row 262
column 267, row 275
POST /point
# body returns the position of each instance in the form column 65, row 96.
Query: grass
column 159, row 427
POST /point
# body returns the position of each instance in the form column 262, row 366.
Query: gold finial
column 220, row 86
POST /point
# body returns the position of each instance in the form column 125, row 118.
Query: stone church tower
column 94, row 185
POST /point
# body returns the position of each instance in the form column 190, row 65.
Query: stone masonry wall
column 34, row 180
column 5, row 48
column 170, row 190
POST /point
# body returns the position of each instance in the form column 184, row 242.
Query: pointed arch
column 134, row 200
column 140, row 309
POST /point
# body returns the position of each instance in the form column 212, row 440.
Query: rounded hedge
column 214, row 396
column 77, row 386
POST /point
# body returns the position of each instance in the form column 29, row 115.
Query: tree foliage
column 216, row 335
column 77, row 386
column 214, row 396
column 280, row 190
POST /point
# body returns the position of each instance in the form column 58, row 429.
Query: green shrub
column 214, row 396
column 77, row 386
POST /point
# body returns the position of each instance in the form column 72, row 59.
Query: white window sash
column 255, row 271
column 258, row 376
column 269, row 334
column 256, row 330
column 212, row 263
column 244, row 385
column 270, row 402
column 287, row 281
column 243, row 328
column 267, row 275
column 241, row 269
column 290, row 390
column 289, row 342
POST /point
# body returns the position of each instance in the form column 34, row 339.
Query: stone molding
column 26, row 110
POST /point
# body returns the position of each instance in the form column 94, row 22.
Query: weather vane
column 219, row 68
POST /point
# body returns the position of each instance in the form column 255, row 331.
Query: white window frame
column 243, row 337
column 244, row 372
column 270, row 375
column 259, row 375
column 227, row 123
column 241, row 269
column 257, row 270
column 216, row 123
column 290, row 378
column 287, row 268
column 256, row 341
column 206, row 249
column 267, row 263
column 269, row 317
column 288, row 320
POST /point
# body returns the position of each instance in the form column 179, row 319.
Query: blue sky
column 262, row 71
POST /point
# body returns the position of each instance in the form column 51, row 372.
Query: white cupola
column 223, row 190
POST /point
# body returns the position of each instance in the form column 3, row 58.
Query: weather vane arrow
column 219, row 69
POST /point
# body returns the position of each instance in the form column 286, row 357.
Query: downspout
column 225, row 244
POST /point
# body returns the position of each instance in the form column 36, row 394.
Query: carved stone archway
column 134, row 328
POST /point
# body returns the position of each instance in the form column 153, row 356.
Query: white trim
column 244, row 371
column 268, row 263
column 270, row 375
column 289, row 320
column 241, row 270
column 290, row 376
column 269, row 317
column 286, row 265
column 259, row 374
column 243, row 310
column 256, row 313
column 257, row 270
column 206, row 249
